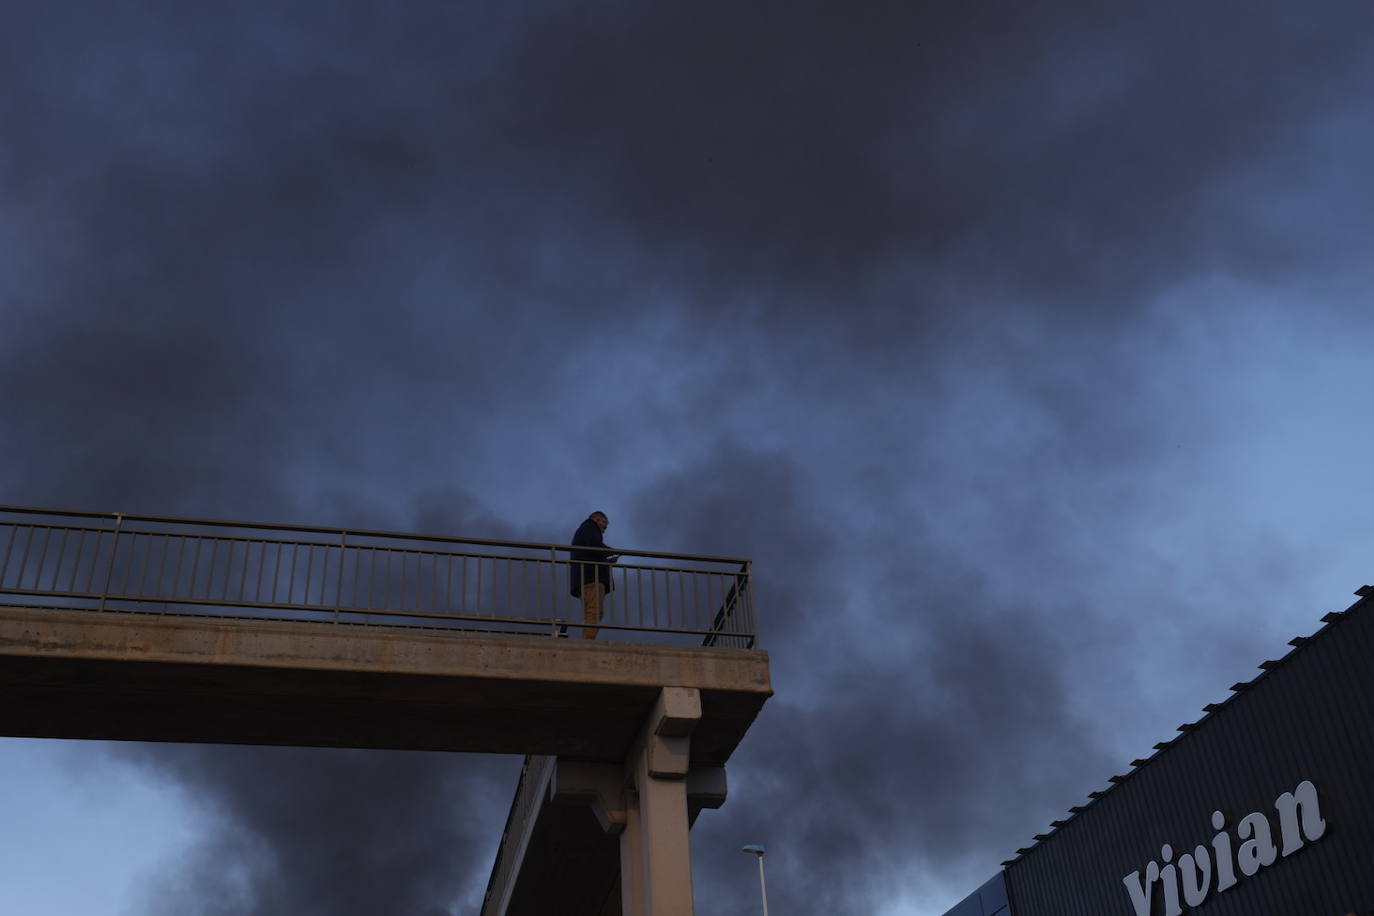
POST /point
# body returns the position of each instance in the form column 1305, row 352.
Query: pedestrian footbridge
column 159, row 629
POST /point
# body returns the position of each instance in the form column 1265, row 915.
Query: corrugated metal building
column 1263, row 806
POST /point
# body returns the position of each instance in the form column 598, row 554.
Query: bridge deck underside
column 571, row 865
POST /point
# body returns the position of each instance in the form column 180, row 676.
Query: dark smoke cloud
column 929, row 722
column 325, row 831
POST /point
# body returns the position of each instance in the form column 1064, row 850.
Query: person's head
column 601, row 520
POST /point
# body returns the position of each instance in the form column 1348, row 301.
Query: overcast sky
column 1025, row 348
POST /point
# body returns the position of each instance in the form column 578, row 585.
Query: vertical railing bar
column 262, row 567
column 419, row 579
column 128, row 570
column 462, row 605
column 434, row 580
column 612, row 602
column 711, row 596
column 698, row 622
column 147, row 562
column 371, row 575
column 243, row 576
column 162, row 564
column 324, row 576
column 653, row 598
column 739, row 619
column 57, row 567
column 276, row 570
column 419, row 590
column 357, row 574
column 338, row 587
column 653, row 595
column 210, row 573
column 478, row 608
column 525, row 588
column 553, row 583
column 309, row 570
column 382, row 601
column 419, row 599
column 734, row 614
column 732, row 611
column 357, row 570
column 153, row 590
column 5, row 568
column 109, row 570
column 386, row 593
column 229, row 570
column 291, row 577
column 326, row 558
column 24, row 560
column 725, row 592
column 325, row 553
column 133, row 562
column 209, row 570
column 448, row 585
column 509, row 563
column 681, row 600
column 716, row 607
column 195, row 568
column 639, row 594
column 95, row 561
column 401, row 602
column 42, row 555
column 57, row 564
column 76, row 564
column 737, row 623
column 176, row 577
column 749, row 603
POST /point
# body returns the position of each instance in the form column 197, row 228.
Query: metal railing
column 156, row 565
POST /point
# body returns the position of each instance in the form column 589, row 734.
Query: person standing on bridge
column 589, row 574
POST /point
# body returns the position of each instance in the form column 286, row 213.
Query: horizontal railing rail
column 163, row 565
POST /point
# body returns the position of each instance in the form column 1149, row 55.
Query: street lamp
column 763, row 891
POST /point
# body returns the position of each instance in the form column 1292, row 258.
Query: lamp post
column 763, row 890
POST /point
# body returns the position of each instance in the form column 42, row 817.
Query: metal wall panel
column 1309, row 716
column 988, row 900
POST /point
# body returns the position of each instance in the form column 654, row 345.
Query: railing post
column 750, row 623
column 553, row 584
column 109, row 569
column 338, row 588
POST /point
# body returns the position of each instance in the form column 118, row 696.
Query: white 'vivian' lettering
column 1299, row 819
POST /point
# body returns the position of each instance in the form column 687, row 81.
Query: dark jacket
column 588, row 565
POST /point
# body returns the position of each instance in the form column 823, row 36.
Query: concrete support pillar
column 651, row 801
column 655, row 856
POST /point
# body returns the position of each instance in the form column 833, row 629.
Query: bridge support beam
column 655, row 856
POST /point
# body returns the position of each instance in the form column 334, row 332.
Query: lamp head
column 756, row 850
